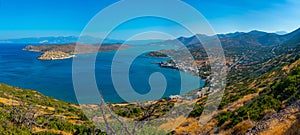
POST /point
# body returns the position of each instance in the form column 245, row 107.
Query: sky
column 38, row 18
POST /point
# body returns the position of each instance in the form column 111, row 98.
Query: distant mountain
column 58, row 40
column 292, row 34
column 293, row 38
column 186, row 40
column 281, row 32
column 142, row 42
column 41, row 40
column 230, row 34
column 253, row 38
column 239, row 39
column 256, row 32
column 73, row 39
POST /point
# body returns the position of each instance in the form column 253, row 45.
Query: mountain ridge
column 256, row 35
column 252, row 38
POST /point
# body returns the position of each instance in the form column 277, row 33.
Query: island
column 66, row 51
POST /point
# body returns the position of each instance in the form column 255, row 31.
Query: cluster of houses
column 213, row 82
column 180, row 66
column 214, row 86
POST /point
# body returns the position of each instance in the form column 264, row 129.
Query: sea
column 54, row 78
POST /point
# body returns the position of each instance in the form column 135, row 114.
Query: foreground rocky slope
column 25, row 112
column 279, row 122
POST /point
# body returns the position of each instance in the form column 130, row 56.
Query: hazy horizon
column 57, row 36
column 65, row 18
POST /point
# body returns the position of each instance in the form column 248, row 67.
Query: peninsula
column 65, row 51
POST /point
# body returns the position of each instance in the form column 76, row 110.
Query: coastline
column 67, row 51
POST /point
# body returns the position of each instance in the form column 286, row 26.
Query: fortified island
column 55, row 55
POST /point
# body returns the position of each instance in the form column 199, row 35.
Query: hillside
column 259, row 105
column 29, row 112
column 258, row 63
column 257, row 96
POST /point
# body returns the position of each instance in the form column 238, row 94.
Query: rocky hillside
column 26, row 112
column 264, row 103
column 279, row 122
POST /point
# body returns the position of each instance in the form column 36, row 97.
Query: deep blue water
column 54, row 78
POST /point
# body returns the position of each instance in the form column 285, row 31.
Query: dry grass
column 239, row 129
column 192, row 127
column 172, row 123
column 288, row 68
column 9, row 101
column 36, row 130
column 189, row 126
column 278, row 127
column 239, row 103
column 46, row 107
column 294, row 129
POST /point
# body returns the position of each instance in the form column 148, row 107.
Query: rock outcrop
column 278, row 123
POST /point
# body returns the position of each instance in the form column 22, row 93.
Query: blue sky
column 36, row 18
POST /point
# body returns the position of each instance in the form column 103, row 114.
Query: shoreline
column 166, row 97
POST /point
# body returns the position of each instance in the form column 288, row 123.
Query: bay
column 54, row 78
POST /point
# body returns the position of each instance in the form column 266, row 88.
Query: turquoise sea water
column 54, row 78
